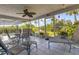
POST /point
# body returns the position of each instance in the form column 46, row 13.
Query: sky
column 41, row 22
column 67, row 17
column 63, row 16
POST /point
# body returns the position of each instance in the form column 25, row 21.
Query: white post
column 45, row 26
column 38, row 26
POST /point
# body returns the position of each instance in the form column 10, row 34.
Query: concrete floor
column 56, row 48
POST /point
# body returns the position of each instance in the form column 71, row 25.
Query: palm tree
column 73, row 12
column 39, row 25
column 45, row 26
column 53, row 23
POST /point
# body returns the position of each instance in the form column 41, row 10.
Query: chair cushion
column 16, row 50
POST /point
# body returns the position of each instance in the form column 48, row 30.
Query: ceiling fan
column 27, row 13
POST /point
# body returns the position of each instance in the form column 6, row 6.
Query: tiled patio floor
column 56, row 48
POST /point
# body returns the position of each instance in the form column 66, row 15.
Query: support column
column 54, row 24
column 30, row 24
column 38, row 26
column 45, row 27
column 17, row 27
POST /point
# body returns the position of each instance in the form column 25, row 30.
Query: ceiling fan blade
column 27, row 13
column 19, row 13
column 24, row 15
column 32, row 13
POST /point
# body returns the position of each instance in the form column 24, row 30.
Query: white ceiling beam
column 12, row 18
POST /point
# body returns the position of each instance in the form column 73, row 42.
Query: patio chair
column 26, row 41
column 14, row 39
column 17, row 48
column 29, row 44
column 12, row 51
column 27, row 38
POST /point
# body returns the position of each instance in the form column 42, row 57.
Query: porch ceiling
column 42, row 10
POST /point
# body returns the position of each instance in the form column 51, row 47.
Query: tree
column 54, row 21
column 73, row 12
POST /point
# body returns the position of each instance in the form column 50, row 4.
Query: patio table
column 28, row 44
column 60, row 40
